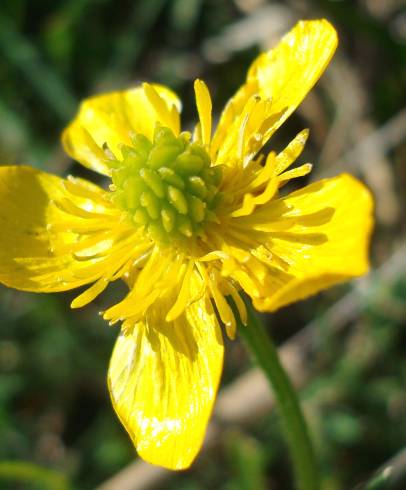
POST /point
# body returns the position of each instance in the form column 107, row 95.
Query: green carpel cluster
column 166, row 185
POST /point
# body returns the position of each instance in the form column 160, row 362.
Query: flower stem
column 293, row 421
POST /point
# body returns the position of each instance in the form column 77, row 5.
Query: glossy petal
column 288, row 72
column 283, row 75
column 317, row 236
column 29, row 257
column 110, row 119
column 163, row 379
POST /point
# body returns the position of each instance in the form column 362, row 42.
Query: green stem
column 293, row 422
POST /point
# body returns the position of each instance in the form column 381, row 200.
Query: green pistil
column 166, row 185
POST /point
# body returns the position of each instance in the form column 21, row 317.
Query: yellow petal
column 324, row 239
column 110, row 119
column 283, row 75
column 163, row 379
column 29, row 257
column 289, row 71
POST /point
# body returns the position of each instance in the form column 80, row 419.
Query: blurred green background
column 57, row 428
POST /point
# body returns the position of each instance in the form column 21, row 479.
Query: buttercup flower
column 189, row 222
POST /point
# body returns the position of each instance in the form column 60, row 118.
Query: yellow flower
column 187, row 221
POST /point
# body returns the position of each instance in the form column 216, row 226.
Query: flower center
column 167, row 185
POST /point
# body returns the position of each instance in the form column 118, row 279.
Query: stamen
column 204, row 107
column 287, row 156
column 90, row 294
column 295, row 172
column 184, row 294
column 169, row 117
